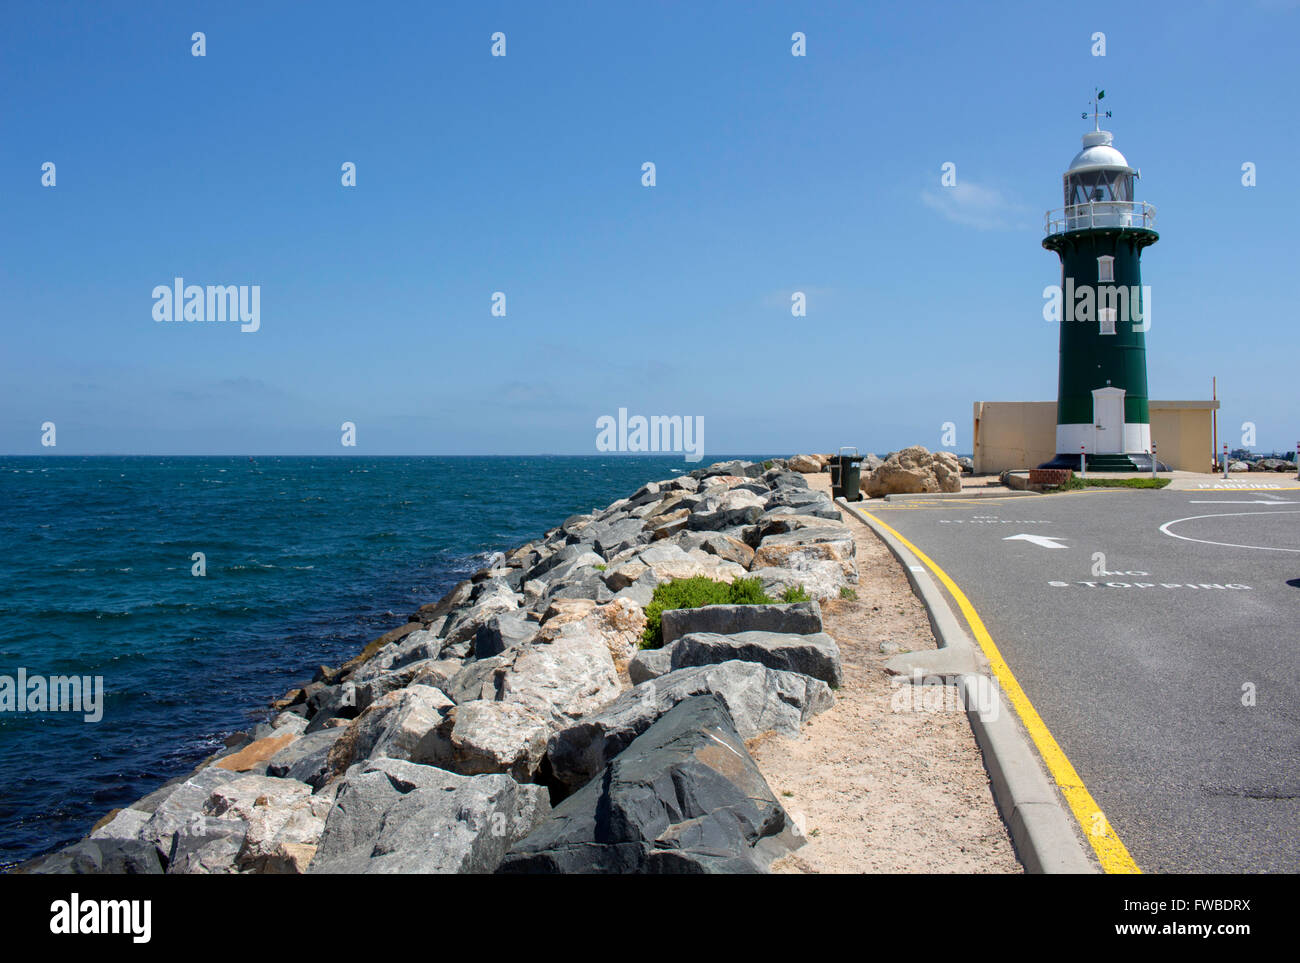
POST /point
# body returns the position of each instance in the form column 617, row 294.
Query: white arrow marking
column 1047, row 541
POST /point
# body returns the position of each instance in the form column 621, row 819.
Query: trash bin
column 846, row 475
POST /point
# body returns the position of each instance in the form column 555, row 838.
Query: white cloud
column 971, row 205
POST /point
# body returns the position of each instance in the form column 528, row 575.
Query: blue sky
column 522, row 174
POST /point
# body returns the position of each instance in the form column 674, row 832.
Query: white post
column 1083, row 462
column 1153, row 459
column 1225, row 461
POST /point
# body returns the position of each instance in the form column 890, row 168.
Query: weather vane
column 1097, row 115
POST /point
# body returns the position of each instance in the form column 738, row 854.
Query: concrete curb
column 1018, row 493
column 1042, row 829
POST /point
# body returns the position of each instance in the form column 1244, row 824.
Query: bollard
column 1154, row 462
column 1083, row 462
column 1225, row 461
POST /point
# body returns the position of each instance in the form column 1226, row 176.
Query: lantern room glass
column 1102, row 197
column 1098, row 186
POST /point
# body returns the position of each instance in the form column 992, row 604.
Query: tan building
column 1022, row 434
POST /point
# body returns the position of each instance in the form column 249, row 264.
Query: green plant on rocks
column 693, row 593
column 796, row 593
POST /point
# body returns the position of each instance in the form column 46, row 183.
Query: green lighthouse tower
column 1101, row 404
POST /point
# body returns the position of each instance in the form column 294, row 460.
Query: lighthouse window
column 1101, row 186
column 1105, row 268
column 1107, row 318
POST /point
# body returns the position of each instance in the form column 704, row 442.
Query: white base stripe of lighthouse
column 1137, row 438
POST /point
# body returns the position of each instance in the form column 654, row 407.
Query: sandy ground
column 879, row 791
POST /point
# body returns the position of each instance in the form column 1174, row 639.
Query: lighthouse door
column 1108, row 420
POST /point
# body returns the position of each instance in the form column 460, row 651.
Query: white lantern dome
column 1099, row 154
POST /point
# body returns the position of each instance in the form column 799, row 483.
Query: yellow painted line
column 1110, row 850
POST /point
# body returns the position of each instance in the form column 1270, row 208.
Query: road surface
column 1158, row 635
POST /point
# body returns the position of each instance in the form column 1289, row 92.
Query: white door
column 1108, row 420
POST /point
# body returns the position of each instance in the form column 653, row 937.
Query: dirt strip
column 880, row 791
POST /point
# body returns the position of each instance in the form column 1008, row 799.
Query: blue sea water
column 308, row 559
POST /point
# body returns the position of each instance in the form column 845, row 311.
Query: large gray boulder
column 564, row 561
column 610, row 538
column 501, row 632
column 684, row 797
column 801, row 618
column 399, row 725
column 737, row 467
column 802, row 547
column 838, row 535
column 207, row 846
column 778, row 521
column 815, row 655
column 804, row 502
column 728, row 547
column 590, row 584
column 650, row 664
column 561, row 679
column 574, row 524
column 671, row 504
column 759, row 700
column 670, row 561
column 174, row 810
column 367, row 692
column 415, row 647
column 332, row 702
column 439, row 609
column 648, row 492
column 1274, row 464
column 783, row 478
column 670, row 525
column 821, row 579
column 726, row 509
column 464, row 623
column 641, row 591
column 305, row 759
column 95, row 856
column 484, row 736
column 126, row 824
column 283, row 821
column 401, row 817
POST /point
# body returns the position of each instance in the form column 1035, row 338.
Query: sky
column 522, row 174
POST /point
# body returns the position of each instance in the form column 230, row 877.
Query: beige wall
column 1182, row 433
column 1013, row 434
column 1022, row 434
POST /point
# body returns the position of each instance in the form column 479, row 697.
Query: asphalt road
column 1143, row 675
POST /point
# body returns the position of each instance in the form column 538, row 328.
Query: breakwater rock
column 914, row 470
column 516, row 724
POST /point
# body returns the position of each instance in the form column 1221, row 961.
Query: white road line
column 1263, row 548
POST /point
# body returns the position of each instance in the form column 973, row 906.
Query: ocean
column 307, row 560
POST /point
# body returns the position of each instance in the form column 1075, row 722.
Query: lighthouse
column 1099, row 235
